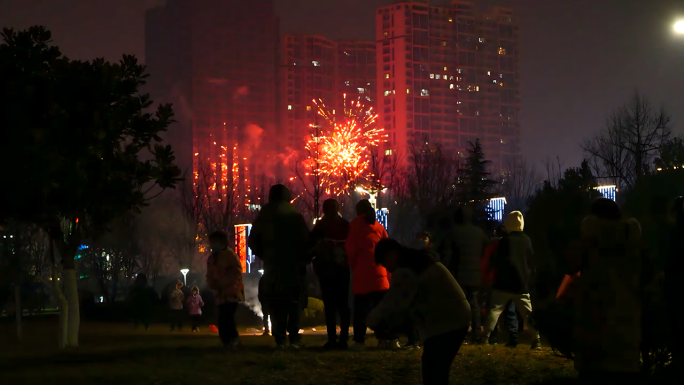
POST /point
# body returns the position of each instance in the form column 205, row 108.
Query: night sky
column 580, row 58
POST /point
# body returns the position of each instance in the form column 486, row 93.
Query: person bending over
column 423, row 288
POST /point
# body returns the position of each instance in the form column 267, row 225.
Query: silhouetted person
column 488, row 276
column 423, row 286
column 606, row 296
column 462, row 252
column 369, row 281
column 224, row 277
column 143, row 299
column 332, row 269
column 280, row 238
column 673, row 288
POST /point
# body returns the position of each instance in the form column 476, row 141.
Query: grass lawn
column 117, row 354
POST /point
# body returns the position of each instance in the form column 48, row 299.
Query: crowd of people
column 432, row 294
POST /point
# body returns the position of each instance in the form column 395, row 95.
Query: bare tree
column 519, row 184
column 671, row 155
column 112, row 257
column 625, row 149
column 430, row 177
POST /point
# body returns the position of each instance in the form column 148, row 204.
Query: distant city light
column 608, row 192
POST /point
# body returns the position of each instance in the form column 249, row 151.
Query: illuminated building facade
column 243, row 251
column 312, row 68
column 608, row 192
column 497, row 206
column 449, row 75
column 215, row 60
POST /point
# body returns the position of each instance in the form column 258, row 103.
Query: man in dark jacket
column 462, row 252
column 143, row 299
column 510, row 316
column 673, row 288
column 331, row 268
column 512, row 263
column 280, row 237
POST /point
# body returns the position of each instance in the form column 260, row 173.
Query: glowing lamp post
column 679, row 27
column 185, row 273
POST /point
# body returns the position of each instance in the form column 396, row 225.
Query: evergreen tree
column 474, row 186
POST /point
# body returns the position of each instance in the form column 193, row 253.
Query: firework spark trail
column 343, row 154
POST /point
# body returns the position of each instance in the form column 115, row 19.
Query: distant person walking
column 332, row 269
column 194, row 304
column 369, row 280
column 513, row 269
column 142, row 299
column 280, row 238
column 176, row 307
column 463, row 249
column 423, row 286
column 224, row 277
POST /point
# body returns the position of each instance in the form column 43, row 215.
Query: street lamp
column 185, row 273
column 679, row 27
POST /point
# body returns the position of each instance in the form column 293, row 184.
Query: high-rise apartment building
column 313, row 68
column 449, row 75
column 216, row 60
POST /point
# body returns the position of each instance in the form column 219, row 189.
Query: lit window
column 445, row 77
column 444, row 44
column 481, row 40
column 346, row 83
column 502, row 51
column 451, row 20
column 451, row 77
column 386, row 34
column 438, row 76
column 489, row 73
column 289, row 106
column 494, row 81
column 316, row 63
column 458, row 70
column 501, row 76
column 432, row 76
column 388, row 152
column 308, row 108
column 424, row 92
column 408, row 90
column 386, row 76
column 477, row 88
column 451, row 86
column 387, row 93
column 361, row 90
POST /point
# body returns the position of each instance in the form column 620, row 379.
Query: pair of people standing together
column 280, row 238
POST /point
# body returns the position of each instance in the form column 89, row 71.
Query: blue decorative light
column 608, row 192
column 382, row 217
column 496, row 206
column 83, row 247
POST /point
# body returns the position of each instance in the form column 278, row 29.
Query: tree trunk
column 63, row 309
column 74, row 317
column 17, row 310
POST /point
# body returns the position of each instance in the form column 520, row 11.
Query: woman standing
column 369, row 281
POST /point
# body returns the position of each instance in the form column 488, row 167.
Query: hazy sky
column 580, row 58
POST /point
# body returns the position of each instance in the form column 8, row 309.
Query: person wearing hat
column 513, row 266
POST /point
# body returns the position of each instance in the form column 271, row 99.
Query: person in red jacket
column 369, row 281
